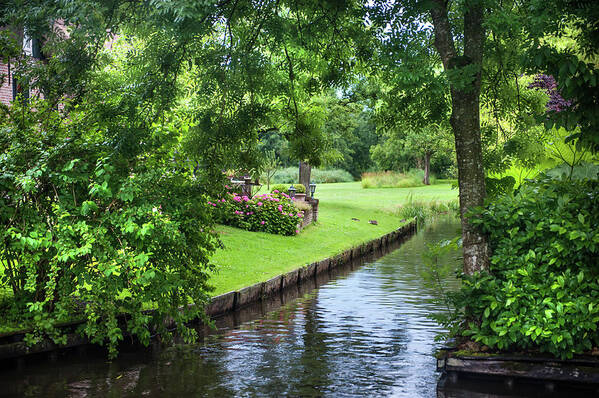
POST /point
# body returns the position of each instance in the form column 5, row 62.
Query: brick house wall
column 6, row 88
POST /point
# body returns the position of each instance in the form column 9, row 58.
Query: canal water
column 363, row 331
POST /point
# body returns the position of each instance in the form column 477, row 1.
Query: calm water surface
column 364, row 332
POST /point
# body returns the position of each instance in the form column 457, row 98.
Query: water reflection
column 364, row 333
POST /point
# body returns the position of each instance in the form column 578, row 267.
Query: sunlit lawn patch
column 251, row 257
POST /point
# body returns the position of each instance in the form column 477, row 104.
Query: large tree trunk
column 465, row 121
column 427, row 168
column 471, row 177
column 304, row 175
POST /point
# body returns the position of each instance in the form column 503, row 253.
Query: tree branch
column 442, row 29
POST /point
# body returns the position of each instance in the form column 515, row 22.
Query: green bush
column 287, row 175
column 273, row 213
column 393, row 179
column 290, row 175
column 329, row 176
column 284, row 188
column 92, row 234
column 542, row 291
column 499, row 186
column 580, row 171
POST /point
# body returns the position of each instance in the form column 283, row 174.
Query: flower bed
column 274, row 213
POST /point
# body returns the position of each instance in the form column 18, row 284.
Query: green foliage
column 403, row 152
column 347, row 131
column 349, row 125
column 273, row 141
column 326, row 176
column 88, row 234
column 269, row 167
column 542, row 290
column 413, row 124
column 499, row 186
column 389, row 154
column 290, row 175
column 273, row 213
column 511, row 135
column 559, row 157
column 564, row 44
column 284, row 188
column 580, row 171
column 9, row 49
column 436, row 275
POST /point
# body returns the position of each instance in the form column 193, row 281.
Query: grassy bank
column 251, row 257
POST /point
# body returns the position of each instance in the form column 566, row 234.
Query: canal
column 363, row 331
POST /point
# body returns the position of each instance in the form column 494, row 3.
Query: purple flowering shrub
column 274, row 213
column 547, row 83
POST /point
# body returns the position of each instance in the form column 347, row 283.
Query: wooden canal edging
column 455, row 365
column 12, row 345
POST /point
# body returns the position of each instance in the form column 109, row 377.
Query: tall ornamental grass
column 425, row 210
column 394, row 179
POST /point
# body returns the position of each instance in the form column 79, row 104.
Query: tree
column 270, row 166
column 427, row 141
column 464, row 72
column 350, row 128
column 458, row 35
column 563, row 42
column 102, row 199
column 416, row 114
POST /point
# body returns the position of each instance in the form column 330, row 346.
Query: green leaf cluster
column 542, row 289
column 97, row 232
column 299, row 188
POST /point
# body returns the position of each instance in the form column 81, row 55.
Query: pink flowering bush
column 274, row 213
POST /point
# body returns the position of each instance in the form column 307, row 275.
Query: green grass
column 423, row 210
column 252, row 257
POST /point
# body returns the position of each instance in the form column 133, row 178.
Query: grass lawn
column 251, row 257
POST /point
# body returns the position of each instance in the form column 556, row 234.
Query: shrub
column 287, row 175
column 284, row 188
column 329, row 176
column 273, row 213
column 499, row 186
column 88, row 234
column 580, row 171
column 302, row 205
column 542, row 291
column 393, row 179
column 290, row 175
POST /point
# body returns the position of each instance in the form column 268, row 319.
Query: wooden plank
column 536, row 370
